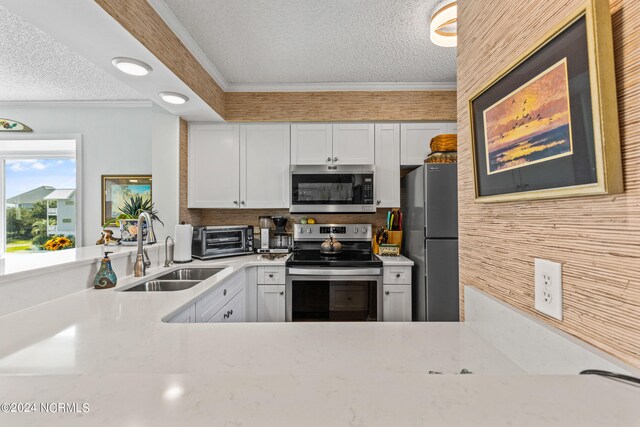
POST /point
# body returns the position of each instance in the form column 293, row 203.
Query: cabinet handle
column 235, row 202
column 378, row 202
column 225, row 315
column 271, row 275
column 335, row 159
column 224, row 293
column 328, row 159
column 242, row 203
column 386, row 292
column 397, row 275
column 281, row 292
column 230, row 312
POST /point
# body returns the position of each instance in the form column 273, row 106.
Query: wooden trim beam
column 143, row 22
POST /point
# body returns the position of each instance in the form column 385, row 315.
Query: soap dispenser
column 105, row 277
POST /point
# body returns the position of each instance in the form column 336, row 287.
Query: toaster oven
column 221, row 241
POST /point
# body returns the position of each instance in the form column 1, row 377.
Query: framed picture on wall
column 547, row 126
column 118, row 189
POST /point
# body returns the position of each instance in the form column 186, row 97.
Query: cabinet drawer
column 349, row 298
column 210, row 303
column 270, row 275
column 397, row 276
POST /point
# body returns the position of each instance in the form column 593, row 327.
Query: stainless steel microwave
column 332, row 189
column 216, row 242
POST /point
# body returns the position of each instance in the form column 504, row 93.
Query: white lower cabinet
column 233, row 312
column 396, row 303
column 271, row 303
column 186, row 315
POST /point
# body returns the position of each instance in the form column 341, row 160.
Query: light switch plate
column 548, row 290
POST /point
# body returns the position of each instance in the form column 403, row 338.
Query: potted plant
column 128, row 218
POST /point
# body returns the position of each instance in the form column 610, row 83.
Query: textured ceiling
column 317, row 41
column 35, row 67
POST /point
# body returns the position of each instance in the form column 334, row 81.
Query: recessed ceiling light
column 444, row 24
column 131, row 66
column 173, row 97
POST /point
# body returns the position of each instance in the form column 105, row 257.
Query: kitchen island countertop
column 112, row 351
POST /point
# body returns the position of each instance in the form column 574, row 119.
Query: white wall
column 165, row 148
column 115, row 140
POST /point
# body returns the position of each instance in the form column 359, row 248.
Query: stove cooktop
column 347, row 258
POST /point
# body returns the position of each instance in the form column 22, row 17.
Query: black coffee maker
column 281, row 240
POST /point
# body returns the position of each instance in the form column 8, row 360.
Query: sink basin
column 163, row 286
column 198, row 274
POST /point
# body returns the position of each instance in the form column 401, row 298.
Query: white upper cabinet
column 387, row 149
column 264, row 164
column 239, row 166
column 214, row 166
column 311, row 144
column 332, row 144
column 353, row 144
column 415, row 139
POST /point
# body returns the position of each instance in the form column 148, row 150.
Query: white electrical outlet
column 548, row 278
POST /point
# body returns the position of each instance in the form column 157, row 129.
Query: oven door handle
column 344, row 271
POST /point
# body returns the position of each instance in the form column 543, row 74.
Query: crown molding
column 87, row 104
column 340, row 87
column 183, row 34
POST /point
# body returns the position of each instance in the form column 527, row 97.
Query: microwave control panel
column 367, row 190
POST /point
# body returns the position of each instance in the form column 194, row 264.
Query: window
column 40, row 208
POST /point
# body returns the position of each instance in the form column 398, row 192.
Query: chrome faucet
column 168, row 260
column 140, row 267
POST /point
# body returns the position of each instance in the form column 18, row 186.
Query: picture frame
column 115, row 188
column 566, row 141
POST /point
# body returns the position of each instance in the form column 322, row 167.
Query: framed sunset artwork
column 548, row 125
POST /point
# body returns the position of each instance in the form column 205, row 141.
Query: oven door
column 333, row 294
column 339, row 189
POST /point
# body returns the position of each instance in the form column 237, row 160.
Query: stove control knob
column 309, row 230
column 301, row 230
column 364, row 230
column 355, row 229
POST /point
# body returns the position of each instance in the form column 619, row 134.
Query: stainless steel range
column 333, row 275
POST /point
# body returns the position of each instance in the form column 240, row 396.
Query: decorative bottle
column 105, row 277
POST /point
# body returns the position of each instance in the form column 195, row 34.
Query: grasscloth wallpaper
column 596, row 238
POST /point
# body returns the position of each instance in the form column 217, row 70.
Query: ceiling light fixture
column 173, row 97
column 131, row 66
column 444, row 24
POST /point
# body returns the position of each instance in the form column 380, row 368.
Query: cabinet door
column 234, row 310
column 353, row 144
column 264, row 166
column 396, row 303
column 387, row 144
column 214, row 166
column 311, row 144
column 271, row 303
column 415, row 139
column 186, row 315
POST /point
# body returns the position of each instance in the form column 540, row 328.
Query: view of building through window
column 39, row 200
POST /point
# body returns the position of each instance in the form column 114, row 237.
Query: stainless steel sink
column 163, row 286
column 177, row 280
column 198, row 274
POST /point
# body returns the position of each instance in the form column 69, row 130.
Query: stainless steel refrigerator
column 430, row 233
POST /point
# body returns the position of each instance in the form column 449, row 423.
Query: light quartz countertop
column 111, row 350
column 15, row 266
column 400, row 260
